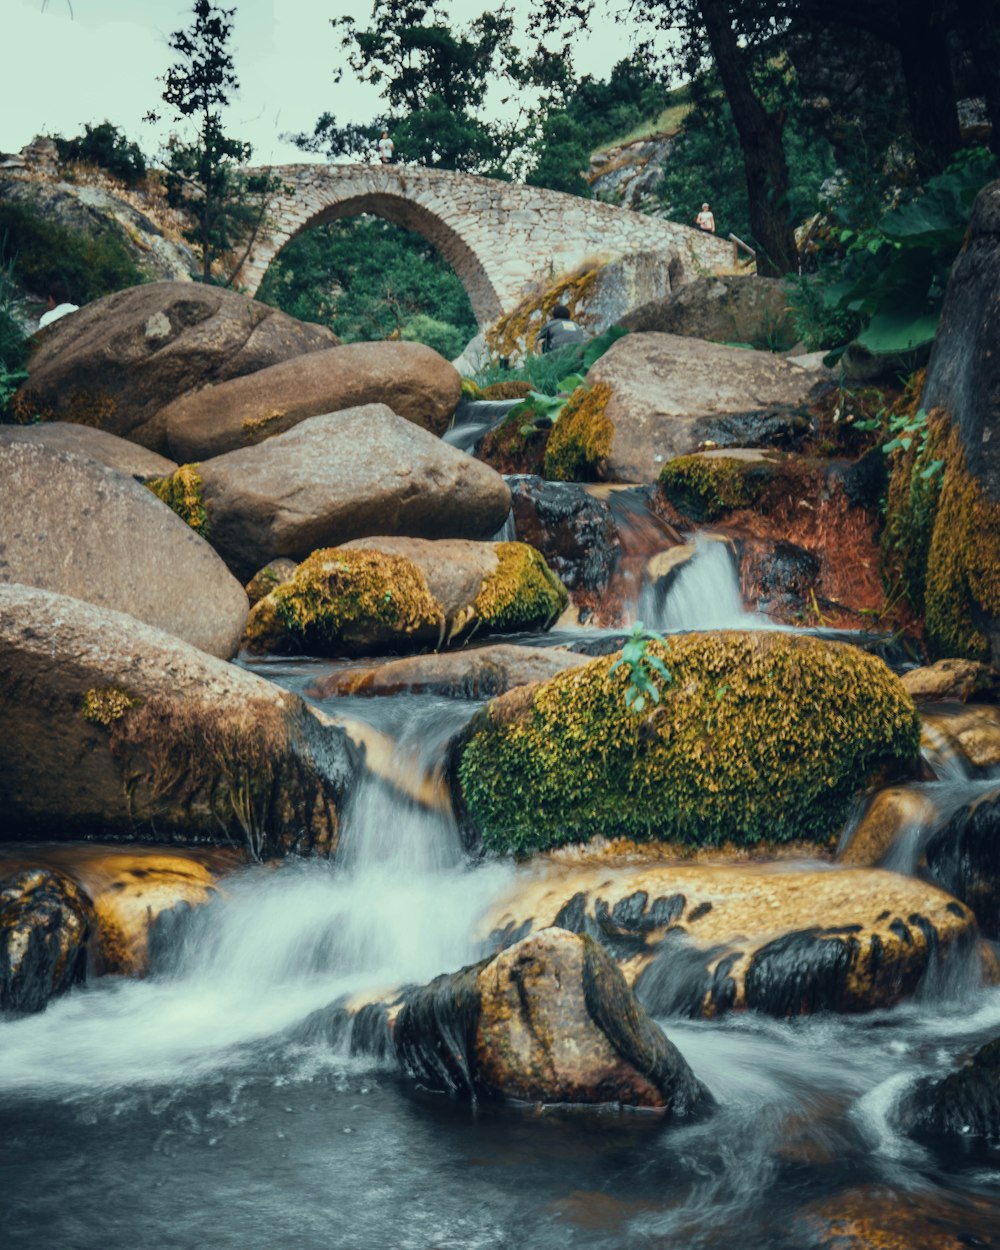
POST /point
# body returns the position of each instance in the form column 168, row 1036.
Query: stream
column 211, row 1105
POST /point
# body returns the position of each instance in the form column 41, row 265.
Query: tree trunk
column 760, row 141
column 980, row 27
column 922, row 39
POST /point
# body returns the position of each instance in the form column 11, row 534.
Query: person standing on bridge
column 705, row 220
column 386, row 148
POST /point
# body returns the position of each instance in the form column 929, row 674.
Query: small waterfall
column 704, row 594
column 507, row 533
column 474, row 419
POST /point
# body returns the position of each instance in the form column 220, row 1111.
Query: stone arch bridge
column 497, row 236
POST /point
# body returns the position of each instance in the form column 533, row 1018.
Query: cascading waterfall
column 705, row 594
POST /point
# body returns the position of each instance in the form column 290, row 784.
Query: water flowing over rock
column 701, row 940
column 722, row 309
column 118, row 361
column 550, row 1020
column 44, row 925
column 656, row 396
column 117, row 730
column 961, row 1106
column 343, row 476
column 964, row 857
column 83, row 440
column 477, row 673
column 376, row 593
column 414, row 381
column 74, row 526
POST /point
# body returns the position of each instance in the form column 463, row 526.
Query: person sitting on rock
column 58, row 302
column 705, row 220
column 560, row 331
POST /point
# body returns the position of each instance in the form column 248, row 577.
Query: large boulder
column 83, row 440
column 755, row 737
column 76, row 527
column 413, row 380
column 118, row 361
column 376, row 593
column 338, row 477
column 703, row 939
column 730, row 308
column 551, row 1020
column 45, row 922
column 656, row 396
column 117, row 730
column 471, row 673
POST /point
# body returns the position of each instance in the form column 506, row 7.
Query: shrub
column 105, row 145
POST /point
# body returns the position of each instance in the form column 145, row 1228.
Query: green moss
column 344, row 601
column 103, row 705
column 516, row 333
column 706, row 487
column 522, row 593
column 581, row 439
column 514, row 389
column 182, row 492
column 758, row 737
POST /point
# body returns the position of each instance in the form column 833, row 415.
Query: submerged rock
column 405, row 592
column 961, row 1106
column 478, row 673
column 701, row 940
column 339, row 477
column 970, row 735
column 756, row 737
column 121, row 359
column 551, row 1020
column 45, row 922
column 880, row 1217
column 76, row 527
column 117, row 730
column 413, row 380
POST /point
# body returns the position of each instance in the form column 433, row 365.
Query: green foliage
column 642, row 667
column 893, row 272
column 42, row 252
column 552, row 372
column 746, row 745
column 107, row 146
column 367, row 279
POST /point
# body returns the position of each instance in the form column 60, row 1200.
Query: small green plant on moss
column 642, row 668
column 103, row 705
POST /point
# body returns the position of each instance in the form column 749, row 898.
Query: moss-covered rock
column 707, row 485
column 522, row 592
column 758, row 737
column 581, row 438
column 182, row 491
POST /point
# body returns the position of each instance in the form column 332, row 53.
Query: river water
column 214, row 1105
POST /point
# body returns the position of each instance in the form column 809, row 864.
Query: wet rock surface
column 411, row 379
column 117, row 730
column 120, row 360
column 964, row 858
column 960, row 681
column 75, row 527
column 550, row 1020
column 45, row 923
column 961, row 1107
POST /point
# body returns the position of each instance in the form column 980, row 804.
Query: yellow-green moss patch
column 522, row 593
column 103, row 705
column 346, row 601
column 513, row 389
column 759, row 737
column 706, row 487
column 516, row 333
column 581, row 439
column 182, row 492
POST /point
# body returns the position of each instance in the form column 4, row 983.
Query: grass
column 665, row 122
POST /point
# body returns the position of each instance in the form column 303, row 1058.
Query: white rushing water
column 705, row 594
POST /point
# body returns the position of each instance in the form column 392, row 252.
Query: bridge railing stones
column 499, row 237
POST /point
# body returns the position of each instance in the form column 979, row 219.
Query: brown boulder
column 477, row 673
column 78, row 528
column 117, row 730
column 83, row 440
column 118, row 361
column 414, row 381
column 729, row 308
column 550, row 1020
column 45, row 922
column 343, row 476
column 666, row 396
column 952, row 681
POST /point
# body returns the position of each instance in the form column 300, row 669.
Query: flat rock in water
column 700, row 940
column 414, row 381
column 953, row 681
column 83, row 440
column 669, row 395
column 468, row 674
column 118, row 361
column 119, row 731
column 78, row 528
column 343, row 476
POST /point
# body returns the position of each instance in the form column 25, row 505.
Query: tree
column 203, row 175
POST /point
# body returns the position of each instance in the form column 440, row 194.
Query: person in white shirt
column 385, row 148
column 58, row 305
column 705, row 220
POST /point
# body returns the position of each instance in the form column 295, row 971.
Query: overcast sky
column 100, row 59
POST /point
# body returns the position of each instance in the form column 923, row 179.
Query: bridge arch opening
column 420, row 220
